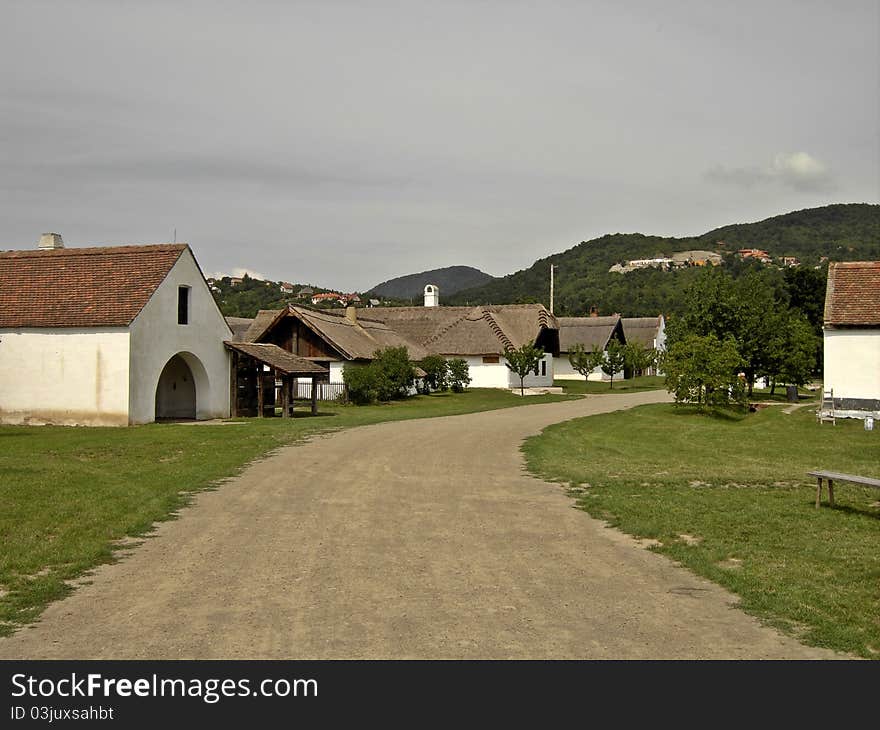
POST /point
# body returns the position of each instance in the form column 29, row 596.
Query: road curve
column 413, row 539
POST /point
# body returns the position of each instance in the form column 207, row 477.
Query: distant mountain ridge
column 450, row 279
column 840, row 232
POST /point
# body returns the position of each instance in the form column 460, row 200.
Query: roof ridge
column 443, row 330
column 91, row 250
column 496, row 328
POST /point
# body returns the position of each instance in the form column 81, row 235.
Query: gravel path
column 415, row 539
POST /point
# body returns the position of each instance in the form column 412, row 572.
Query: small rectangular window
column 543, row 367
column 490, row 359
column 183, row 305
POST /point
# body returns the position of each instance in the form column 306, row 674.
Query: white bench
column 835, row 476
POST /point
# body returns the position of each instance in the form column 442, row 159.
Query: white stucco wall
column 156, row 338
column 64, row 376
column 852, row 363
column 564, row 371
column 498, row 375
column 336, row 368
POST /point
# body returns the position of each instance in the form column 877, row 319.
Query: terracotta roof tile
column 853, row 294
column 81, row 287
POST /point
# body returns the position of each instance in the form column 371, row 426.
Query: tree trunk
column 772, row 386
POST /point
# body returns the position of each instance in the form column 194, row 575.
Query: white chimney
column 432, row 295
column 50, row 241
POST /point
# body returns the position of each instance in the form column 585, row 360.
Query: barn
column 851, row 335
column 109, row 336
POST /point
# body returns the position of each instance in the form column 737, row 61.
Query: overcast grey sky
column 343, row 143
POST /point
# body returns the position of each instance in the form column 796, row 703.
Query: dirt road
column 415, row 539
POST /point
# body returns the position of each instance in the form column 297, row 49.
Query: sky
column 344, row 143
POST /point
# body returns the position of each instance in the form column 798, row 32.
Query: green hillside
column 840, row 232
column 450, row 279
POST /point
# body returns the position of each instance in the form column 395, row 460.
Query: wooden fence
column 326, row 391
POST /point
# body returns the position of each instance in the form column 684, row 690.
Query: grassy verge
column 596, row 387
column 728, row 497
column 70, row 494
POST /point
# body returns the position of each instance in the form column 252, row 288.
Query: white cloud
column 796, row 170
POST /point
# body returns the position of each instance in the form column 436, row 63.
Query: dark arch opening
column 176, row 391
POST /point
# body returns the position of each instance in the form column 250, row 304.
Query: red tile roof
column 81, row 287
column 853, row 294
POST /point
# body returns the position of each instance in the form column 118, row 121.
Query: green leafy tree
column 522, row 361
column 362, row 383
column 395, row 374
column 614, row 360
column 436, row 373
column 459, row 374
column 791, row 351
column 702, row 369
column 638, row 358
column 583, row 361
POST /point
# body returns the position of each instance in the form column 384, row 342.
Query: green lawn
column 647, row 382
column 68, row 494
column 728, row 497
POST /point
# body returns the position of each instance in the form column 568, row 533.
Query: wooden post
column 831, row 492
column 233, row 387
column 314, row 396
column 285, row 390
column 818, row 491
column 259, row 390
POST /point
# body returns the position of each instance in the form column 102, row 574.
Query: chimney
column 50, row 241
column 594, row 311
column 432, row 295
column 351, row 314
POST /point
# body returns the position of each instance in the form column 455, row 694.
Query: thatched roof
column 481, row 330
column 356, row 339
column 278, row 358
column 642, row 330
column 238, row 325
column 591, row 332
column 261, row 323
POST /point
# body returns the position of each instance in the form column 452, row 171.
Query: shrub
column 436, row 373
column 395, row 373
column 459, row 376
column 362, row 383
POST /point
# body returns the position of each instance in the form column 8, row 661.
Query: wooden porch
column 257, row 370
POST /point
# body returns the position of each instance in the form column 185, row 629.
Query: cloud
column 795, row 170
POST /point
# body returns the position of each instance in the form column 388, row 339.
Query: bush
column 459, row 376
column 362, row 383
column 436, row 373
column 395, row 374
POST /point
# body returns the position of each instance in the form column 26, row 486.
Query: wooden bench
column 834, row 476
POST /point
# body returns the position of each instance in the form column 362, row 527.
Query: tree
column 436, row 373
column 614, row 360
column 638, row 358
column 459, row 375
column 522, row 361
column 791, row 351
column 395, row 373
column 585, row 362
column 702, row 369
column 360, row 381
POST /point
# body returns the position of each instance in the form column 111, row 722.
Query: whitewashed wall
column 852, row 363
column 564, row 371
column 156, row 338
column 64, row 376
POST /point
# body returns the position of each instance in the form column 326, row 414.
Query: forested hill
column 451, row 279
column 846, row 232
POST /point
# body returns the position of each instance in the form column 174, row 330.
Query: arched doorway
column 176, row 391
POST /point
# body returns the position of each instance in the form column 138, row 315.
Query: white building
column 593, row 334
column 852, row 337
column 479, row 335
column 109, row 336
column 649, row 332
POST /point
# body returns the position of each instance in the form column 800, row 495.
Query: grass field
column 728, row 497
column 70, row 494
column 579, row 387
